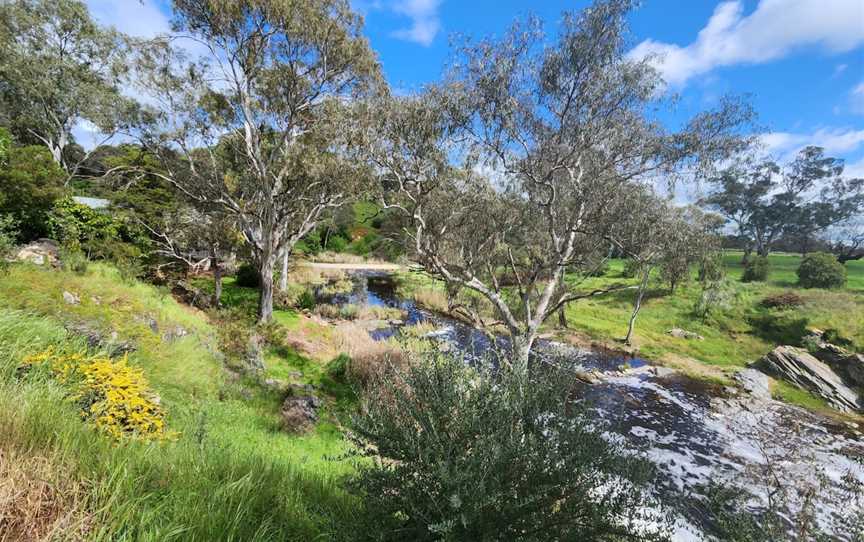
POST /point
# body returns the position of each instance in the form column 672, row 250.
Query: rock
column 174, row 333
column 684, row 334
column 255, row 353
column 40, row 252
column 754, row 382
column 855, row 369
column 849, row 366
column 190, row 295
column 149, row 321
column 299, row 413
column 803, row 369
column 113, row 346
column 96, row 300
column 71, row 299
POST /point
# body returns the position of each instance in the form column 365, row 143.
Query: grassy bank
column 231, row 473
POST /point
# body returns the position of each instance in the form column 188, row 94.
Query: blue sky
column 800, row 61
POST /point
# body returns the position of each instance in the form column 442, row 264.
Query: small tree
column 821, row 270
column 756, row 269
column 197, row 239
column 464, row 454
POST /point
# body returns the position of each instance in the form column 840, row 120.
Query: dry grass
column 358, row 312
column 37, row 501
column 342, row 257
column 313, row 276
column 432, row 299
column 369, row 358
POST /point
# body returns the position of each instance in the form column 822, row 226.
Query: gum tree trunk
column 283, row 278
column 217, row 281
column 637, row 305
column 265, row 300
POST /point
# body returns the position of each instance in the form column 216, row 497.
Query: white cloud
column 139, row 18
column 836, row 142
column 839, row 69
column 425, row 22
column 857, row 98
column 772, row 31
column 855, row 170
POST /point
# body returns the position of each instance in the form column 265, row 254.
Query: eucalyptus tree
column 256, row 124
column 59, row 69
column 516, row 169
column 765, row 201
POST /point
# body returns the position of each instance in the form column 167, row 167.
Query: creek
column 692, row 432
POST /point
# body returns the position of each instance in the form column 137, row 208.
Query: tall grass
column 231, row 475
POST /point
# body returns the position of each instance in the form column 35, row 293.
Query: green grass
column 233, row 473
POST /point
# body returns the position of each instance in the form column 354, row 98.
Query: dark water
column 692, row 435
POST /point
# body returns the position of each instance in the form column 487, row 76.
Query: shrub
column 30, row 184
column 74, row 260
column 337, row 368
column 111, row 394
column 786, row 300
column 821, row 270
column 711, row 268
column 247, row 276
column 465, row 454
column 8, row 233
column 306, row 301
column 631, row 268
column 756, row 269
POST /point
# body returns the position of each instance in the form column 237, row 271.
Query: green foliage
column 631, row 268
column 711, row 267
column 30, row 183
column 466, row 454
column 97, row 235
column 247, row 276
column 337, row 368
column 756, row 269
column 306, row 301
column 74, row 260
column 821, row 270
column 5, row 146
column 8, row 233
column 716, row 296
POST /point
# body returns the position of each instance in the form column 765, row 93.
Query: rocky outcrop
column 300, row 413
column 803, row 369
column 71, row 299
column 848, row 365
column 684, row 334
column 40, row 252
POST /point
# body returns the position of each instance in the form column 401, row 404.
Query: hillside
column 260, row 483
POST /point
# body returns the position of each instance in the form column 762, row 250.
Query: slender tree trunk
column 283, row 278
column 217, row 281
column 265, row 300
column 562, row 318
column 521, row 345
column 748, row 250
column 640, row 293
